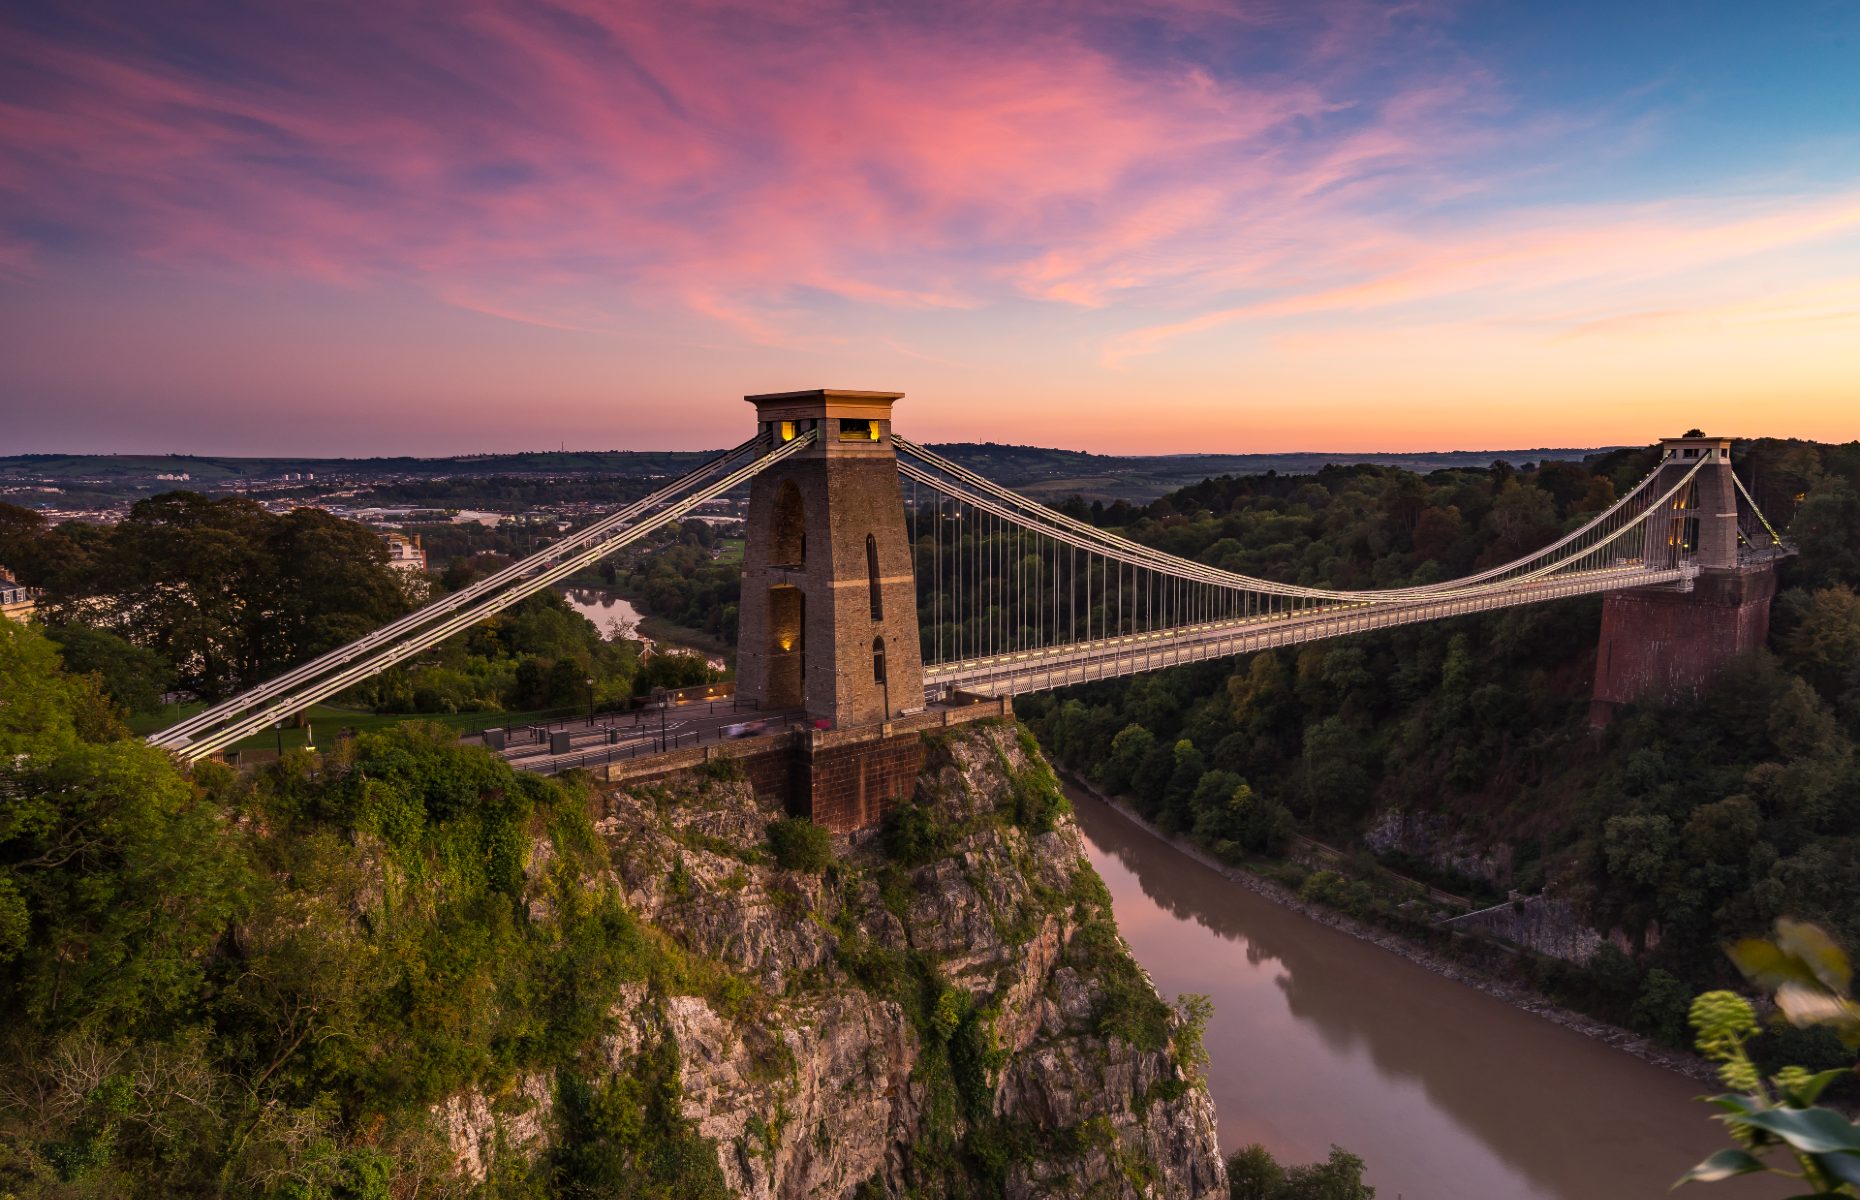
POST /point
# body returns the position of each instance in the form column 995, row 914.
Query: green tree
column 1826, row 529
column 1177, row 811
column 22, row 543
column 93, row 828
column 132, row 676
column 1253, row 1174
column 225, row 592
column 1823, row 637
column 1660, row 1009
column 1338, row 1177
column 1129, row 748
column 1723, row 831
column 1337, row 780
column 1213, row 791
column 1639, row 847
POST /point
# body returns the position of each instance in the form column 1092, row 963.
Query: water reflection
column 616, row 616
column 1446, row 1092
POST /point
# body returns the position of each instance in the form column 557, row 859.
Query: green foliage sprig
column 1810, row 976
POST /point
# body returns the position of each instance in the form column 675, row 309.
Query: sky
column 1138, row 226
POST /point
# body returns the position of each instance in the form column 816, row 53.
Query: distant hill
column 212, row 469
column 1055, row 474
column 1040, row 471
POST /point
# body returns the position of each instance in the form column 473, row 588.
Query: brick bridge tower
column 1666, row 643
column 828, row 619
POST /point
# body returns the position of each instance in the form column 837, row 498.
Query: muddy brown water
column 1446, row 1093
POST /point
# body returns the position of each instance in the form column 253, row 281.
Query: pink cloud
column 570, row 162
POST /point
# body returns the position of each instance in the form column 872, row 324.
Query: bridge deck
column 1108, row 658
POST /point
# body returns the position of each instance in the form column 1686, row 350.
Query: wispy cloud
column 729, row 157
column 1524, row 255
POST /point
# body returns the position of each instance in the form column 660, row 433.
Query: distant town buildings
column 181, row 477
column 404, row 552
column 17, row 602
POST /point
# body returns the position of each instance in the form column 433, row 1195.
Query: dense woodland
column 1681, row 826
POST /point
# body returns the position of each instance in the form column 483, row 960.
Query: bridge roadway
column 1040, row 670
column 614, row 737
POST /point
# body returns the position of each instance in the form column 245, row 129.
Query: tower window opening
column 858, row 431
column 788, row 528
column 871, row 571
column 878, row 660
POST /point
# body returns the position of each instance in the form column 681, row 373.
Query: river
column 1446, row 1093
column 604, row 608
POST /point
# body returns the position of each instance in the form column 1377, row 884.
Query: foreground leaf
column 1735, row 1102
column 1844, row 1167
column 1815, row 1130
column 1768, row 966
column 1725, row 1164
column 1804, row 1094
column 1816, row 950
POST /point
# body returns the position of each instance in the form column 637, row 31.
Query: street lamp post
column 665, row 706
column 590, row 702
column 278, row 727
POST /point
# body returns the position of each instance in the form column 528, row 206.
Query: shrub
column 1335, row 891
column 1128, row 1007
column 1660, row 1010
column 1252, row 1174
column 915, row 835
column 1193, row 1011
column 1034, row 801
column 801, row 845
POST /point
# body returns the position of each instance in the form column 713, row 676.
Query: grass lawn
column 326, row 720
column 730, row 550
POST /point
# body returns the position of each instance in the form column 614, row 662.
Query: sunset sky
column 468, row 225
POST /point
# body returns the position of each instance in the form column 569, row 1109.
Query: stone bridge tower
column 1665, row 643
column 828, row 618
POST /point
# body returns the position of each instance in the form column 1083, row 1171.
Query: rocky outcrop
column 478, row 1130
column 1428, row 838
column 954, row 1017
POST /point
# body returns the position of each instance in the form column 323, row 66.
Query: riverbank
column 681, row 637
column 1522, row 998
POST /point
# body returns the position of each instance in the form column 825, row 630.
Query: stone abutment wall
column 1660, row 644
column 843, row 779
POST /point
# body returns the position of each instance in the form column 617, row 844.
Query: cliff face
column 945, row 1008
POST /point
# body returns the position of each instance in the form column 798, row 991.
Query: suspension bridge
column 882, row 580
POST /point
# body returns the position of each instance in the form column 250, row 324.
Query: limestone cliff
column 943, row 1009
